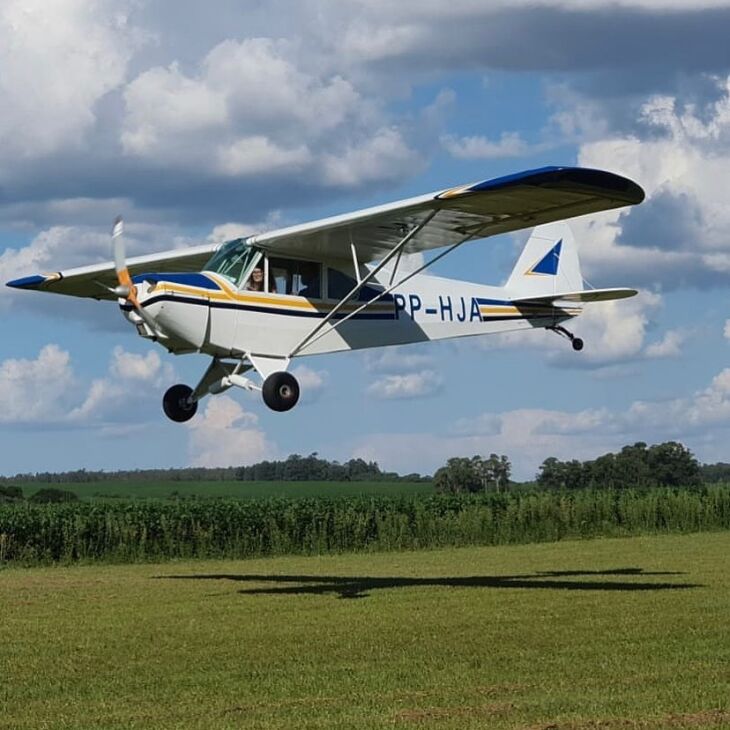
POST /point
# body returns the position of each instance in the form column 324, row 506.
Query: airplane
column 336, row 284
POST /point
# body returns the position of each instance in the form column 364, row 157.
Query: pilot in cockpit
column 256, row 281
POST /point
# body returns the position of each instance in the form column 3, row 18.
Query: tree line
column 474, row 474
column 638, row 465
column 294, row 468
column 669, row 464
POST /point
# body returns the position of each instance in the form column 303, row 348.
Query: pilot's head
column 257, row 278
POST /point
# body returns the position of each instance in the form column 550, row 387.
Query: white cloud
column 249, row 155
column 726, row 331
column 35, row 391
column 131, row 366
column 613, row 332
column 236, row 98
column 165, row 108
column 226, row 435
column 409, row 385
column 485, row 424
column 47, row 391
column 478, row 147
column 257, row 109
column 381, row 156
column 240, row 114
column 72, row 245
column 669, row 346
column 60, row 248
column 678, row 236
column 132, row 381
column 528, row 436
column 58, row 60
column 398, row 359
column 311, row 382
column 228, row 231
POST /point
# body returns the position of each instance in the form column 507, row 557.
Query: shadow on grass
column 361, row 586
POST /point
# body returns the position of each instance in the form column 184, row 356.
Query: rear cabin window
column 339, row 285
column 301, row 278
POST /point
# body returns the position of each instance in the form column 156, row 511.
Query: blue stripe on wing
column 558, row 177
column 27, row 282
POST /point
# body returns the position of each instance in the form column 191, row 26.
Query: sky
column 201, row 122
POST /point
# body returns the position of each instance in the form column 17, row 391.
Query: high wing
column 474, row 211
column 522, row 200
column 95, row 280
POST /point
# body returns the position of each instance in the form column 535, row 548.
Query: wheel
column 577, row 344
column 177, row 405
column 280, row 391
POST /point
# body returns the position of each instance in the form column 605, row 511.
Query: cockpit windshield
column 233, row 260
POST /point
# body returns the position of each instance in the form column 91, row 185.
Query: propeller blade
column 126, row 289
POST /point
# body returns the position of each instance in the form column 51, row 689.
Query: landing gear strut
column 576, row 342
column 280, row 389
column 178, row 404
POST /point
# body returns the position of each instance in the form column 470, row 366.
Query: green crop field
column 575, row 635
column 240, row 490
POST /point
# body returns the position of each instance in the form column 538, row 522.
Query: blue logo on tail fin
column 548, row 264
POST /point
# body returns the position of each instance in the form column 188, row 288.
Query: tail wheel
column 177, row 403
column 280, row 391
column 577, row 344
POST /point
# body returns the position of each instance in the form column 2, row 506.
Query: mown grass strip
column 574, row 635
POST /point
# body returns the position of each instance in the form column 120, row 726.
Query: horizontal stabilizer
column 587, row 295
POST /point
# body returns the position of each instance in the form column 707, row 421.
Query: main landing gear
column 280, row 389
column 178, row 404
column 576, row 342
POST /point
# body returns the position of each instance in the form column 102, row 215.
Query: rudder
column 548, row 264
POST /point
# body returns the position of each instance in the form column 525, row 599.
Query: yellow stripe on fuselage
column 525, row 311
column 280, row 301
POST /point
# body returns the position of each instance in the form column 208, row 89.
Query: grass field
column 621, row 633
column 240, row 490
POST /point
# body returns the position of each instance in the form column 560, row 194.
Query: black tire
column 280, row 391
column 176, row 405
column 577, row 344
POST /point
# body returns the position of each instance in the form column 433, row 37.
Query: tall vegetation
column 139, row 531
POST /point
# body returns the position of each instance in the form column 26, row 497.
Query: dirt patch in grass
column 702, row 719
column 428, row 714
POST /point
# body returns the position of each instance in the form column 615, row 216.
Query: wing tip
column 552, row 176
column 27, row 282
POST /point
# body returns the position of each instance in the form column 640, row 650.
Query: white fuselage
column 208, row 314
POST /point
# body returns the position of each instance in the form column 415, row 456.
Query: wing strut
column 363, row 282
column 311, row 338
column 355, row 262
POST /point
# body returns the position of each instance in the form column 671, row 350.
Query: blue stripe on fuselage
column 185, row 279
column 255, row 308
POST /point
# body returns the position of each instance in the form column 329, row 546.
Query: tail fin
column 548, row 264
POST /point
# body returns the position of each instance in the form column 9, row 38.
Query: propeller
column 126, row 289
